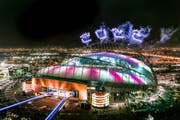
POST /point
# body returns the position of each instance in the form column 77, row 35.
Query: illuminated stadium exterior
column 93, row 70
column 103, row 66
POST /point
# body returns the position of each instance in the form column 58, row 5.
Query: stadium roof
column 103, row 66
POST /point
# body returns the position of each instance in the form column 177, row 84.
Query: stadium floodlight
column 85, row 38
column 102, row 33
column 138, row 36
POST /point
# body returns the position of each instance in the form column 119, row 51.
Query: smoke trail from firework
column 85, row 38
column 138, row 36
column 166, row 34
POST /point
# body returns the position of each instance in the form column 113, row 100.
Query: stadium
column 95, row 77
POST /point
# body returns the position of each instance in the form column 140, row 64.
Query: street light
column 2, row 64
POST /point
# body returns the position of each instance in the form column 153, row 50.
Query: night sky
column 39, row 23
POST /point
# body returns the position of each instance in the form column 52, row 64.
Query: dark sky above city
column 39, row 23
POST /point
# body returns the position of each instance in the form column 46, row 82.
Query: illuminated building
column 27, row 86
column 53, row 84
column 80, row 72
column 100, row 98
